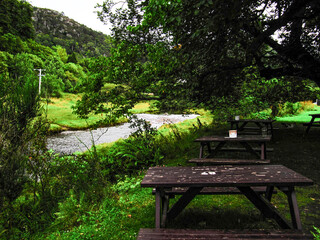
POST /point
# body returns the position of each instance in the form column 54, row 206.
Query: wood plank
column 212, row 234
column 213, row 191
column 225, row 161
column 237, row 149
column 313, row 125
column 242, row 138
column 268, row 121
column 225, row 176
column 252, row 128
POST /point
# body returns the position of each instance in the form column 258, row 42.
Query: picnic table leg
column 259, row 125
column 165, row 206
column 241, row 128
column 271, row 129
column 183, row 201
column 269, row 193
column 250, row 149
column 294, row 211
column 158, row 208
column 263, row 154
column 202, row 145
column 162, row 205
column 216, row 149
column 265, row 207
column 310, row 124
column 201, row 150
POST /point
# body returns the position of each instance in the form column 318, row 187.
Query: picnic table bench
column 210, row 191
column 242, row 124
column 227, row 161
column 210, row 234
column 245, row 141
column 245, row 178
column 312, row 122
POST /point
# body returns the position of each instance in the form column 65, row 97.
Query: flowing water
column 68, row 142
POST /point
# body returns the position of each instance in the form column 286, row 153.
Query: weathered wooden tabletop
column 241, row 177
column 223, row 176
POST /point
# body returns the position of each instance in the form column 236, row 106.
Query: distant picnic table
column 242, row 124
column 245, row 178
column 313, row 122
column 247, row 143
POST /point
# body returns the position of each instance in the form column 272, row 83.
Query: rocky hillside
column 53, row 28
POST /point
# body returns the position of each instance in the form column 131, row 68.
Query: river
column 68, row 142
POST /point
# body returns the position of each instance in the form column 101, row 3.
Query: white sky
column 82, row 11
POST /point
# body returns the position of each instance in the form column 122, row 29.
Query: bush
column 138, row 151
column 289, row 109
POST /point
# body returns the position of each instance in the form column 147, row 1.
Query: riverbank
column 60, row 114
column 61, row 117
column 69, row 142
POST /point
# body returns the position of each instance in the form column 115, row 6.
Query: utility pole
column 40, row 75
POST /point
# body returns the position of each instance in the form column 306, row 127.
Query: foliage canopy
column 186, row 52
column 15, row 18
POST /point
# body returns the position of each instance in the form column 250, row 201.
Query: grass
column 303, row 116
column 60, row 116
column 132, row 207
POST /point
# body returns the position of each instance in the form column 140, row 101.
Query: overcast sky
column 82, row 11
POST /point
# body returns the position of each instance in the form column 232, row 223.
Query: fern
column 316, row 234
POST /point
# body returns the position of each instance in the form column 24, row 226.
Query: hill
column 54, row 28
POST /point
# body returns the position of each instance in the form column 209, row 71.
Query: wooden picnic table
column 242, row 124
column 312, row 122
column 246, row 141
column 244, row 178
column 215, row 234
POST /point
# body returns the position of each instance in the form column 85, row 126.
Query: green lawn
column 302, row 117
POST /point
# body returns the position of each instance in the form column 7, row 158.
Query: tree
column 198, row 50
column 19, row 129
column 16, row 18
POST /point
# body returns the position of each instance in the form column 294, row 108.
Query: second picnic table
column 242, row 124
column 245, row 140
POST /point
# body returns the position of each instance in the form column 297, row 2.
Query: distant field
column 59, row 113
column 302, row 117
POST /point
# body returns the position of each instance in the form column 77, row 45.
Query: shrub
column 290, row 109
column 19, row 135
